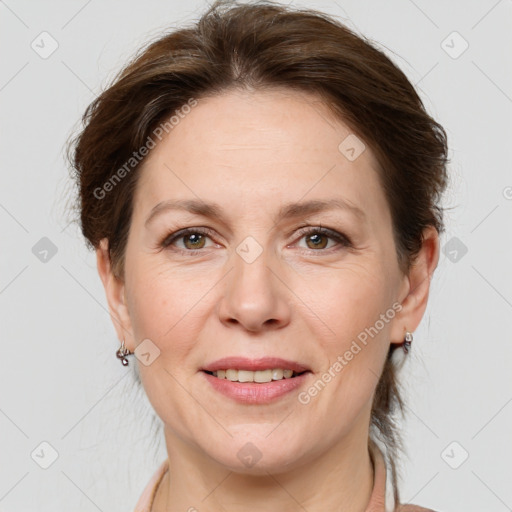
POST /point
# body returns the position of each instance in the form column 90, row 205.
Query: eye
column 193, row 239
column 317, row 238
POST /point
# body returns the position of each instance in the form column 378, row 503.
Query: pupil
column 192, row 237
column 318, row 239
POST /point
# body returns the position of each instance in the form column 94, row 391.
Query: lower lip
column 255, row 393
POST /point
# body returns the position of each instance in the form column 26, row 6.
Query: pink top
column 381, row 499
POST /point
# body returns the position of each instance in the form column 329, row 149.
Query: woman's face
column 261, row 282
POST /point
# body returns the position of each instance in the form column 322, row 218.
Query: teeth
column 246, row 376
column 277, row 374
column 261, row 376
column 231, row 374
column 258, row 376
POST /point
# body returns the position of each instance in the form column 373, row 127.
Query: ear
column 115, row 291
column 414, row 294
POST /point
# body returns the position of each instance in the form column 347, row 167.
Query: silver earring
column 406, row 345
column 122, row 352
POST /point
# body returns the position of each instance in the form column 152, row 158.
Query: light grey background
column 60, row 380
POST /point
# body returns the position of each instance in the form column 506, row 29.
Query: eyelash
column 342, row 239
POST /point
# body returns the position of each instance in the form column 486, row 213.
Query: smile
column 260, row 376
column 251, row 392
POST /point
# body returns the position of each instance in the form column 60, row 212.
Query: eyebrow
column 287, row 211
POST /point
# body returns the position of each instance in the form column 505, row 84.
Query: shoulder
column 145, row 501
column 413, row 508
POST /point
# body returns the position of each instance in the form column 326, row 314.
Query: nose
column 256, row 296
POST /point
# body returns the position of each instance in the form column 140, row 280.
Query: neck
column 338, row 480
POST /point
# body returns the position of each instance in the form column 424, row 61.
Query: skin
column 250, row 152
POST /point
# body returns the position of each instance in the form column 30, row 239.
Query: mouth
column 255, row 381
column 259, row 376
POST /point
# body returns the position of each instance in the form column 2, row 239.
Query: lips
column 264, row 363
column 254, row 393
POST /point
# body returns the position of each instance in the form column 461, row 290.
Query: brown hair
column 257, row 46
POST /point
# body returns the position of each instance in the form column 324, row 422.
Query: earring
column 122, row 351
column 406, row 345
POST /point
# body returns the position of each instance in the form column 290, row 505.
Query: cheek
column 167, row 309
column 349, row 300
column 354, row 314
column 163, row 306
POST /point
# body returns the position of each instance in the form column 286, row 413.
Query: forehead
column 249, row 149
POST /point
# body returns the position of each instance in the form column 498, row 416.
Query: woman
column 300, row 167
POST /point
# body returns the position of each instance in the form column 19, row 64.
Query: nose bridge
column 254, row 297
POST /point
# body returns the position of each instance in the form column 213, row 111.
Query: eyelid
column 300, row 232
column 337, row 235
column 180, row 233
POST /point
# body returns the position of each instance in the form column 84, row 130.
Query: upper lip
column 263, row 363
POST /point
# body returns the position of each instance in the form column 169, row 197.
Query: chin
column 255, row 455
column 259, row 466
